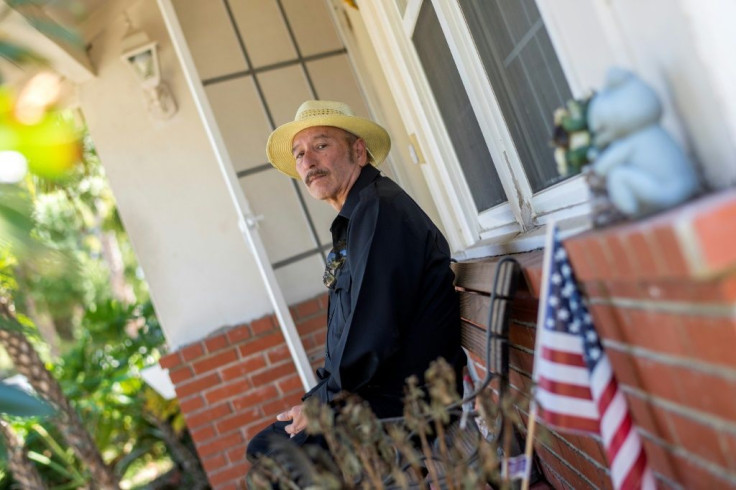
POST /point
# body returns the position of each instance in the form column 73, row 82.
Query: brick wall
column 233, row 383
column 663, row 296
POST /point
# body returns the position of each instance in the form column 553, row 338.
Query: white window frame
column 524, row 211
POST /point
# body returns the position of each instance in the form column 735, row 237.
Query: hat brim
column 279, row 146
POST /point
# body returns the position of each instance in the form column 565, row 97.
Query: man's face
column 328, row 160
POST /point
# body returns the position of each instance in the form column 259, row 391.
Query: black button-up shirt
column 392, row 306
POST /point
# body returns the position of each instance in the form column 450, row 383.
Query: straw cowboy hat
column 325, row 113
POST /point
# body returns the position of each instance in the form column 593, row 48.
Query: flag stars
column 556, row 279
column 563, row 314
column 560, row 255
column 591, row 336
column 566, row 271
column 595, row 353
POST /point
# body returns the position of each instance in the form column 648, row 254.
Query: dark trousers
column 263, row 443
column 275, row 443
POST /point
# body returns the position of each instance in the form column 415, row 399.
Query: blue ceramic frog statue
column 644, row 169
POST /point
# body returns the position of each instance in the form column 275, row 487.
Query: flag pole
column 544, row 292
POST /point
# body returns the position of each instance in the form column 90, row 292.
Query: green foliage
column 14, row 401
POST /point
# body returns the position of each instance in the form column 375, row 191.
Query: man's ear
column 361, row 152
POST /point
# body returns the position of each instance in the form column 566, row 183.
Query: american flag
column 575, row 386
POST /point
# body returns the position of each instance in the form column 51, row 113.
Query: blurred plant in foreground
column 432, row 446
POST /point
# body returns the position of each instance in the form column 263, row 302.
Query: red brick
column 215, row 361
column 292, row 383
column 623, row 289
column 216, row 342
column 181, row 373
column 599, row 257
column 659, row 379
column 277, row 406
column 715, row 231
column 191, row 404
column 624, row 266
column 238, row 334
column 207, row 416
column 272, row 374
column 607, row 322
column 660, row 460
column 229, row 390
column 710, row 339
column 623, row 367
column 203, row 434
column 584, row 270
column 312, row 324
column 192, row 351
column 262, row 325
column 307, row 308
column 278, row 354
column 261, row 344
column 244, row 367
column 642, row 256
column 197, row 385
column 170, row 361
column 254, row 398
column 237, row 421
column 237, row 454
column 214, row 463
column 320, row 337
column 220, row 445
column 669, row 250
column 728, row 448
column 698, row 439
column 691, row 475
column 655, row 331
column 710, row 393
column 232, row 473
column 645, row 417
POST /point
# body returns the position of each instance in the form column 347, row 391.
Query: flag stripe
column 565, row 374
column 581, row 408
column 567, row 421
column 576, row 386
column 562, row 341
column 567, row 358
column 567, row 389
column 635, row 476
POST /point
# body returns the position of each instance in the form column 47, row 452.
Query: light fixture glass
column 141, row 55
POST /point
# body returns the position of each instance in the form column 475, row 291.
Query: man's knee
column 261, row 443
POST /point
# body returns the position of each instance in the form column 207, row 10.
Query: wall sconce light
column 141, row 55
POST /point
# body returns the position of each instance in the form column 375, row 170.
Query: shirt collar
column 367, row 175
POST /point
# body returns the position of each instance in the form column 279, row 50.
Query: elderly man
column 392, row 305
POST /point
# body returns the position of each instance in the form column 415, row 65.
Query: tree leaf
column 14, row 401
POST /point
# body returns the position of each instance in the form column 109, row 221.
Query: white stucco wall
column 170, row 193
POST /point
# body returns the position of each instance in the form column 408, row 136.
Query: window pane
column 452, row 101
column 526, row 77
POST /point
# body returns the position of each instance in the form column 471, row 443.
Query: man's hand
column 298, row 420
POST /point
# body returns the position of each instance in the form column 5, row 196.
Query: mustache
column 312, row 174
